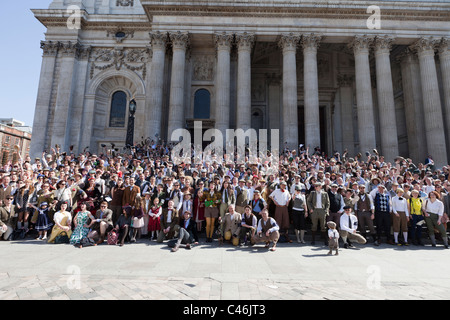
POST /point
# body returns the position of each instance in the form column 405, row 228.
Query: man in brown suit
column 232, row 225
column 5, row 189
column 131, row 192
column 318, row 204
column 8, row 217
column 170, row 220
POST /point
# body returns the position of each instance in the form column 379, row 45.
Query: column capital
column 180, row 40
column 424, row 45
column 383, row 44
column 310, row 41
column 361, row 43
column 69, row 49
column 289, row 42
column 245, row 41
column 158, row 40
column 223, row 40
column 50, row 48
column 444, row 46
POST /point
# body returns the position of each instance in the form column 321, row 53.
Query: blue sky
column 20, row 58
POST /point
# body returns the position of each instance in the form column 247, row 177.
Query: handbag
column 113, row 237
column 138, row 222
column 62, row 238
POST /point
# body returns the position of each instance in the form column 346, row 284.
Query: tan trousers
column 273, row 237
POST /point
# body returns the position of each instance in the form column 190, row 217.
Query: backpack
column 18, row 234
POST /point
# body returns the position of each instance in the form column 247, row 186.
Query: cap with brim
column 44, row 204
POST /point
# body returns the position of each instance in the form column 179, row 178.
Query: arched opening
column 202, row 104
column 118, row 110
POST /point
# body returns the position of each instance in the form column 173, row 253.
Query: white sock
column 405, row 236
column 396, row 237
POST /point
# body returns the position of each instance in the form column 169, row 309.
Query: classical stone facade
column 322, row 73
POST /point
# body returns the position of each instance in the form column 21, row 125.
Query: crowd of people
column 142, row 193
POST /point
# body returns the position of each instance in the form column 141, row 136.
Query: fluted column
column 345, row 83
column 79, row 92
column 180, row 42
column 154, row 107
column 288, row 44
column 434, row 124
column 244, row 43
column 38, row 139
column 385, row 94
column 310, row 44
column 366, row 123
column 60, row 133
column 223, row 43
column 444, row 58
column 413, row 100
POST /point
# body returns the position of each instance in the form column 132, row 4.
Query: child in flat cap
column 333, row 235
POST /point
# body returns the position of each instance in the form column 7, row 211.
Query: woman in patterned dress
column 81, row 227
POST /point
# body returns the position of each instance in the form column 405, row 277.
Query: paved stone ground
column 32, row 270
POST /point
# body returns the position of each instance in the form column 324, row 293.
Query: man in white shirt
column 349, row 226
column 267, row 230
column 281, row 198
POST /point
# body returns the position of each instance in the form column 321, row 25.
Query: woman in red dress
column 199, row 210
column 154, row 224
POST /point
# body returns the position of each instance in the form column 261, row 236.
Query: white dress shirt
column 400, row 205
column 280, row 197
column 436, row 207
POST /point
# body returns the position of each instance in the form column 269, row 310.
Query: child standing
column 333, row 236
column 43, row 223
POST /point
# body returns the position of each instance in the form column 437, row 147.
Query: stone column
column 50, row 50
column 288, row 44
column 444, row 57
column 434, row 124
column 180, row 42
column 79, row 92
column 310, row 43
column 154, row 107
column 244, row 42
column 87, row 124
column 223, row 43
column 366, row 123
column 413, row 100
column 345, row 83
column 60, row 133
column 386, row 104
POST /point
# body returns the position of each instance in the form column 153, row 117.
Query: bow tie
column 400, row 198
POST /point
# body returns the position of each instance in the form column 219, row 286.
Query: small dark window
column 120, row 34
column 202, row 104
column 118, row 110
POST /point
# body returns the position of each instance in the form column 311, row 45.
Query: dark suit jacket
column 191, row 229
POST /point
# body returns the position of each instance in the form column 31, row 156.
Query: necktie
column 350, row 222
column 226, row 196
